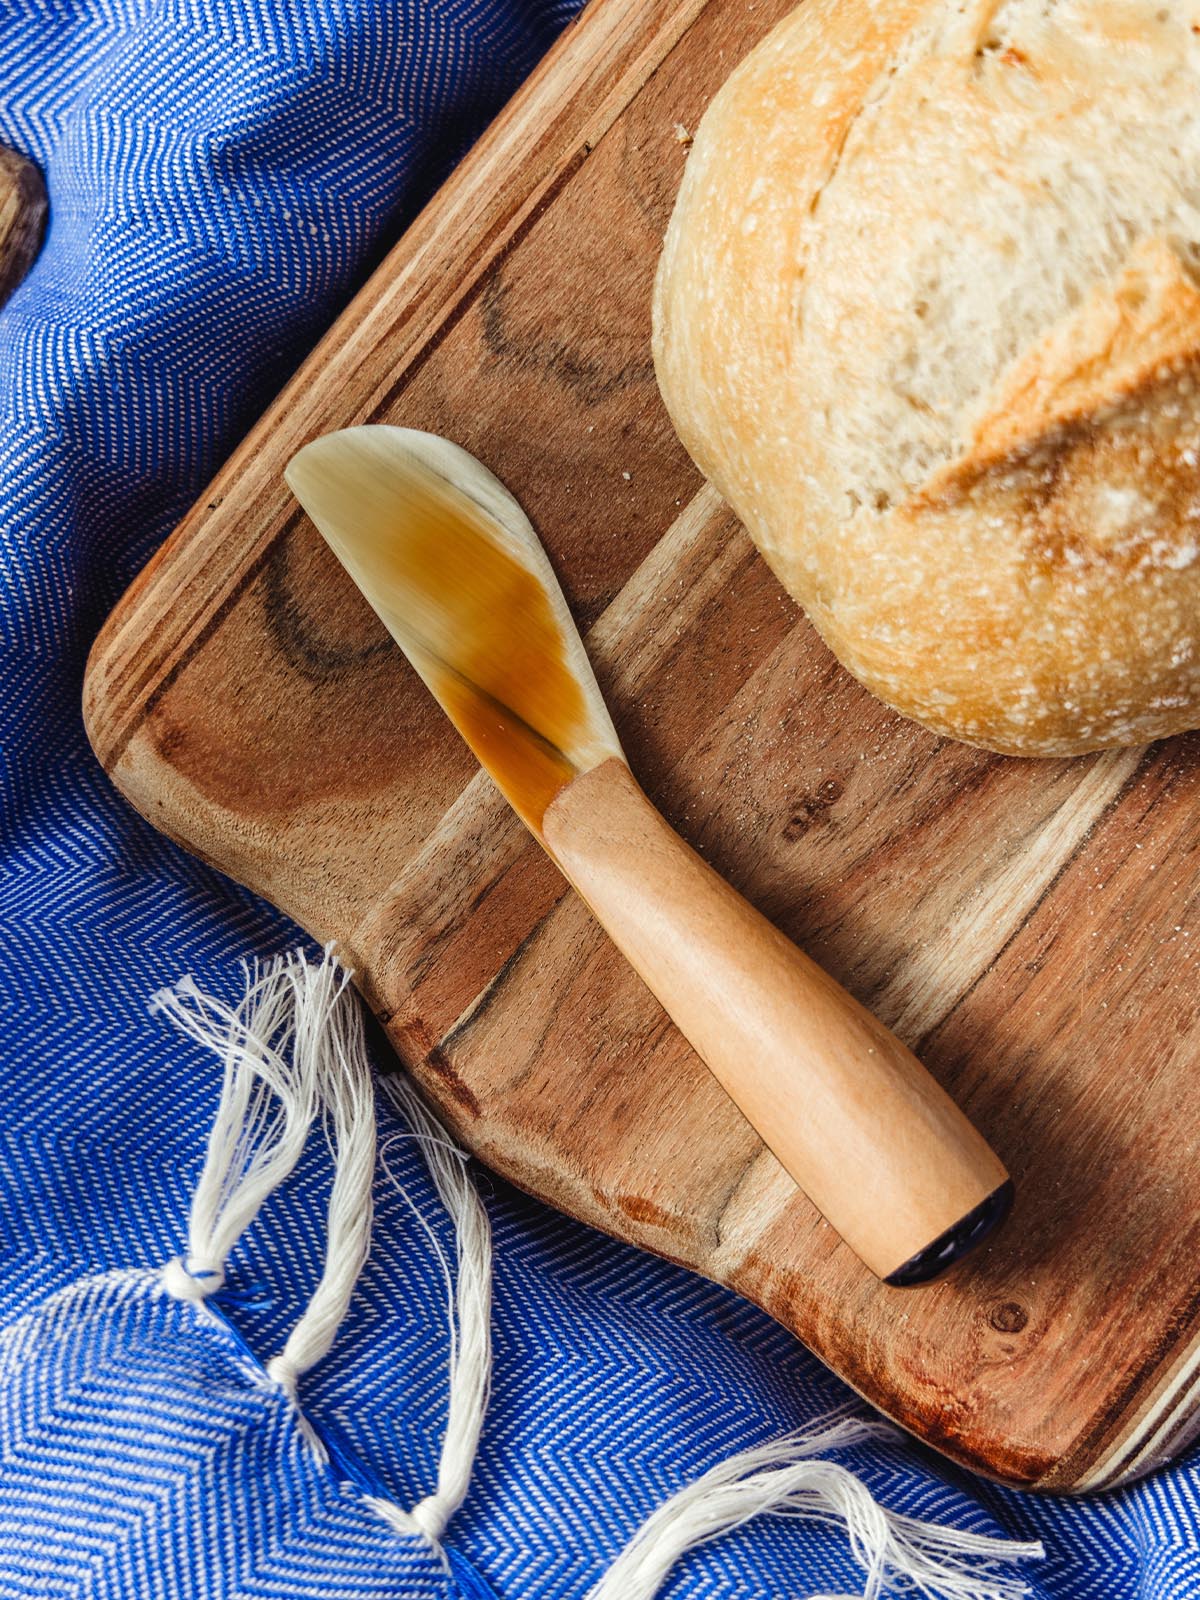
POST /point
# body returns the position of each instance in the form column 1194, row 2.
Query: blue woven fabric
column 220, row 174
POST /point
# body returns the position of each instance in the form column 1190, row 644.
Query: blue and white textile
column 222, row 174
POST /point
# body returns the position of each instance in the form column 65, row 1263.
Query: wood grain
column 872, row 1139
column 1027, row 928
column 22, row 218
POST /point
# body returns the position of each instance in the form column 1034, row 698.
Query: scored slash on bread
column 1124, row 342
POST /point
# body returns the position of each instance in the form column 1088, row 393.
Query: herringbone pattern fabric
column 221, row 174
column 145, row 1455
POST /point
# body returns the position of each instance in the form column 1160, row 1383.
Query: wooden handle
column 853, row 1116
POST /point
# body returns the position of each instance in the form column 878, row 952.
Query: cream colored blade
column 453, row 567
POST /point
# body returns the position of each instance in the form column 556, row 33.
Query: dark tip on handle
column 952, row 1245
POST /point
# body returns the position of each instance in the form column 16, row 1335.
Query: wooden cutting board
column 1028, row 927
column 22, row 218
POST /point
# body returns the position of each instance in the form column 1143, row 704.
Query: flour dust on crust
column 928, row 314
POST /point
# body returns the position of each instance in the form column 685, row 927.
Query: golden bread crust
column 945, row 362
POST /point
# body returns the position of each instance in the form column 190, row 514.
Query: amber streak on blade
column 474, row 619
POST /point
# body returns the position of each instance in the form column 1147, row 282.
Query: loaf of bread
column 928, row 315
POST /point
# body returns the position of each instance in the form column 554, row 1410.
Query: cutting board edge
column 520, row 176
column 1102, row 1454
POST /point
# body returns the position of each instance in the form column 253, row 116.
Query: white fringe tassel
column 268, row 1100
column 332, row 1052
column 786, row 1478
column 294, row 1047
column 289, row 1049
column 469, row 1314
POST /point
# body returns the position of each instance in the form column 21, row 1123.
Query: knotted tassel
column 331, row 1051
column 267, row 1103
column 468, row 1313
column 294, row 1047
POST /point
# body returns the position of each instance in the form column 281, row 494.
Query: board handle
column 876, row 1144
